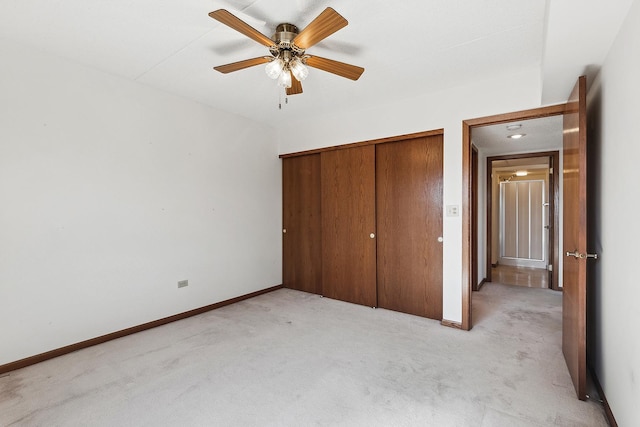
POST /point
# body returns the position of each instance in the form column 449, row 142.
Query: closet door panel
column 409, row 177
column 348, row 221
column 302, row 233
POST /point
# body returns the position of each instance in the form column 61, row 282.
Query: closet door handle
column 373, row 236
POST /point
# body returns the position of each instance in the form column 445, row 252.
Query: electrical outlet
column 183, row 283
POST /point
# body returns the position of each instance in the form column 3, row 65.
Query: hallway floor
column 520, row 276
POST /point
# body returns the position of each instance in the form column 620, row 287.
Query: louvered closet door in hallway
column 348, row 225
column 409, row 223
column 301, row 238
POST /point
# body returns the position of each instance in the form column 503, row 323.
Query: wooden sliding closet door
column 302, row 233
column 409, row 222
column 348, row 225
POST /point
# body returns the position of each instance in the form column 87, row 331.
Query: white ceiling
column 515, row 164
column 543, row 134
column 407, row 47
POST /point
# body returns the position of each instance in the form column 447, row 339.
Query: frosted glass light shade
column 274, row 68
column 285, row 79
column 299, row 70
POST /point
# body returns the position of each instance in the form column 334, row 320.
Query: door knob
column 574, row 254
column 440, row 239
column 578, row 255
column 372, row 235
column 284, row 230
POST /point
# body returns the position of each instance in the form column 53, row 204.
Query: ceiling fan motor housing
column 283, row 38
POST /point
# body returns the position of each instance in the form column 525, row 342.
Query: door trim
column 474, row 218
column 467, row 126
column 368, row 142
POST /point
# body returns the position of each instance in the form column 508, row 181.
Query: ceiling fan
column 288, row 61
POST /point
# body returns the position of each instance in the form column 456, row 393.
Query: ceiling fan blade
column 296, row 86
column 339, row 68
column 239, row 25
column 241, row 65
column 325, row 24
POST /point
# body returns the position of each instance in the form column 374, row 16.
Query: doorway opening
column 522, row 216
column 474, row 263
column 574, row 236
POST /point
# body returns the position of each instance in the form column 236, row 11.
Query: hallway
column 520, row 276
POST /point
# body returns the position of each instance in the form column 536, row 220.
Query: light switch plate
column 453, row 210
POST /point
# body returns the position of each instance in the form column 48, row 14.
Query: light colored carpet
column 289, row 358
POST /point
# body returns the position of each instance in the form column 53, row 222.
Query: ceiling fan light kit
column 298, row 69
column 289, row 63
column 274, row 68
column 285, row 79
column 281, row 68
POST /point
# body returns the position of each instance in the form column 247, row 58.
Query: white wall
column 111, row 192
column 446, row 109
column 613, row 337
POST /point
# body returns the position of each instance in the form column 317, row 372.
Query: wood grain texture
column 466, row 321
column 575, row 237
column 341, row 69
column 474, row 218
column 534, row 113
column 348, row 218
column 365, row 143
column 451, row 324
column 239, row 25
column 409, row 176
column 325, row 24
column 301, row 243
column 296, row 86
column 554, row 211
column 241, row 65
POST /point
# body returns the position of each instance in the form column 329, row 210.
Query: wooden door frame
column 554, row 208
column 467, row 126
column 474, row 219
